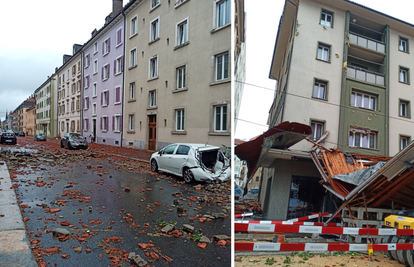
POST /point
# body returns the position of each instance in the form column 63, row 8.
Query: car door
column 165, row 158
column 65, row 140
column 179, row 158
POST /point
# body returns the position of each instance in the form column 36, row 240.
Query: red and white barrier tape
column 291, row 223
column 239, row 246
column 278, row 228
column 330, row 215
column 314, row 216
column 243, row 215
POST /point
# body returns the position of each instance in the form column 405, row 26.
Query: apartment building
column 177, row 73
column 20, row 122
column 347, row 67
column 69, row 80
column 103, row 57
column 46, row 111
column 30, row 121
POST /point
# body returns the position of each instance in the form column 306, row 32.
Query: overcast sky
column 35, row 36
column 262, row 23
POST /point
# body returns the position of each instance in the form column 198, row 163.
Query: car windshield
column 8, row 134
column 41, row 135
column 76, row 136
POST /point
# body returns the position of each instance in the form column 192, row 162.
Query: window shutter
column 107, row 98
column 101, row 99
column 109, row 69
column 120, row 123
column 117, row 94
column 101, row 123
column 103, row 48
column 83, row 127
column 87, row 124
column 89, row 60
column 113, row 123
column 109, row 44
column 102, row 73
column 114, row 66
column 107, row 122
column 88, row 102
column 122, row 63
column 119, row 37
column 88, row 81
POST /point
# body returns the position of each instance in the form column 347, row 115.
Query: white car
column 192, row 162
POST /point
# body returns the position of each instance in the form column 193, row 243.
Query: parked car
column 40, row 137
column 21, row 134
column 73, row 141
column 8, row 137
column 197, row 162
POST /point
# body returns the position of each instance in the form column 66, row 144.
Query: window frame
column 226, row 15
column 406, row 40
column 407, row 108
column 224, row 125
column 182, row 120
column 118, row 65
column 133, row 59
column 104, row 98
column 407, row 75
column 408, row 140
column 153, row 38
column 216, row 69
column 105, row 122
column 177, row 32
column 324, row 46
column 151, row 74
column 131, row 122
column 184, row 77
column 317, row 122
column 94, row 109
column 132, row 91
column 369, row 136
column 363, row 94
column 95, row 89
column 320, row 82
column 326, row 13
column 95, row 66
column 106, row 47
column 95, row 48
column 158, row 2
column 152, row 99
column 116, row 37
column 106, row 71
column 133, row 21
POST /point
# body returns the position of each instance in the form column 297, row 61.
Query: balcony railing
column 366, row 76
column 366, row 42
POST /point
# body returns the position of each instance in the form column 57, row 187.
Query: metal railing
column 366, row 42
column 366, row 76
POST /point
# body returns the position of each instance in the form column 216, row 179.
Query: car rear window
column 8, row 134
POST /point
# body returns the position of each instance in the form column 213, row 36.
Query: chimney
column 116, row 7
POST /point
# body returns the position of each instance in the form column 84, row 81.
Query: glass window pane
column 319, row 131
column 359, row 100
column 357, row 139
column 372, row 140
column 218, row 115
column 224, row 118
column 315, row 90
column 320, row 52
column 366, row 101
column 353, row 99
column 373, row 103
column 351, row 139
column 364, row 140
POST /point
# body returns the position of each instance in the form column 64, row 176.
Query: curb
column 14, row 244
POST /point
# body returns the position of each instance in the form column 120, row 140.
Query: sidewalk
column 14, row 244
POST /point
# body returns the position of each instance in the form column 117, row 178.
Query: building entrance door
column 94, row 130
column 152, row 134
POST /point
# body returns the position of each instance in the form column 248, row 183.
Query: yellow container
column 399, row 222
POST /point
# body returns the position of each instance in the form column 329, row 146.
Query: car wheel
column 154, row 165
column 188, row 176
column 61, row 145
column 70, row 146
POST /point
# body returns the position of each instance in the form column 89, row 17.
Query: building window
column 320, row 89
column 317, row 130
column 152, row 99
column 86, row 84
column 179, row 120
column 362, row 138
column 105, row 98
column 133, row 58
column 95, row 66
column 220, row 118
column 73, row 71
column 323, row 52
column 85, row 124
column 154, row 3
column 222, row 66
column 131, row 122
column 181, row 73
column 72, row 126
column 118, row 37
column 94, row 109
column 106, row 46
column 119, row 65
column 153, row 67
column 95, row 90
column 404, row 141
column 95, row 47
column 78, row 104
column 327, row 18
column 134, row 26
column 363, row 100
column 154, row 31
column 87, row 62
column 86, row 104
column 404, row 108
column 79, row 86
column 182, row 33
column 223, row 11
column 73, row 88
column 104, row 123
column 404, row 75
column 132, row 91
column 403, row 44
column 105, row 73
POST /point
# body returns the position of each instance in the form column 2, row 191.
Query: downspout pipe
column 123, row 82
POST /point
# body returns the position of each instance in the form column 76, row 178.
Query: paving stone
column 138, row 261
column 168, row 228
column 188, row 228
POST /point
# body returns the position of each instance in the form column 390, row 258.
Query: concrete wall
column 281, row 172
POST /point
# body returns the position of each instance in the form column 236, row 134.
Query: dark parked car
column 73, row 141
column 40, row 137
column 8, row 138
column 21, row 134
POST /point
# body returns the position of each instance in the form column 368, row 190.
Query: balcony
column 366, row 42
column 365, row 76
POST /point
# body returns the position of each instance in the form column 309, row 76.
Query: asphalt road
column 107, row 220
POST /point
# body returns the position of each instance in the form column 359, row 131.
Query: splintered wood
column 335, row 163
